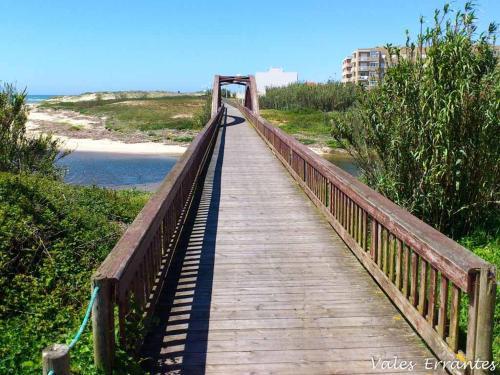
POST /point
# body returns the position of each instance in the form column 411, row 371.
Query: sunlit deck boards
column 264, row 284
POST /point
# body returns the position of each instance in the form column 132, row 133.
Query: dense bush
column 428, row 137
column 330, row 96
column 52, row 237
column 201, row 118
column 19, row 152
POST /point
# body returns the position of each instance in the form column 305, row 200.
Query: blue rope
column 84, row 323
column 85, row 319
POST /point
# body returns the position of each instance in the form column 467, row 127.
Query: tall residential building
column 368, row 65
column 274, row 77
column 365, row 66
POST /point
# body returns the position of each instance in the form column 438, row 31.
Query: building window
column 374, row 54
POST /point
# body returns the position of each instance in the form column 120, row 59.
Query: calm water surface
column 33, row 99
column 117, row 171
column 143, row 172
column 342, row 160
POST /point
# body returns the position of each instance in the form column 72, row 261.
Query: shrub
column 52, row 237
column 427, row 137
column 202, row 117
column 19, row 152
column 330, row 96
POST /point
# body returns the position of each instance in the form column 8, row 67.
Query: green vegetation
column 19, row 153
column 305, row 110
column 427, row 138
column 307, row 126
column 326, row 97
column 52, row 238
column 145, row 114
column 202, row 116
column 486, row 244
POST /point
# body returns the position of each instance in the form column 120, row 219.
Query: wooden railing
column 435, row 282
column 131, row 277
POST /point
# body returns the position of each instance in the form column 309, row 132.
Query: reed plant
column 329, row 96
column 428, row 136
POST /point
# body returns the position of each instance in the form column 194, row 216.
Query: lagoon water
column 117, row 171
column 343, row 161
column 143, row 172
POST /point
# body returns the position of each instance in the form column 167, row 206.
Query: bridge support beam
column 216, row 95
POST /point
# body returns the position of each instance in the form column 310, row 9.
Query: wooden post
column 486, row 308
column 470, row 351
column 103, row 324
column 56, row 358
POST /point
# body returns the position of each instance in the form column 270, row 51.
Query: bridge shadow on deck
column 178, row 343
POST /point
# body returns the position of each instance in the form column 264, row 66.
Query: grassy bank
column 308, row 126
column 151, row 115
column 52, row 238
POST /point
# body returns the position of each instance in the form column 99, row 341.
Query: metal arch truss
column 251, row 99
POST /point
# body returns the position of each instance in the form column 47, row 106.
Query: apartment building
column 365, row 66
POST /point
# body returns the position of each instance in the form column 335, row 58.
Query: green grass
column 144, row 114
column 52, row 238
column 308, row 126
column 183, row 139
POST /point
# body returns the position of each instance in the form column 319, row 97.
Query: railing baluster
column 399, row 262
column 431, row 310
column 414, row 279
column 422, row 300
column 443, row 307
column 454, row 318
column 406, row 270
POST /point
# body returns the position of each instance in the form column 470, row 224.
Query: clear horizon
column 71, row 48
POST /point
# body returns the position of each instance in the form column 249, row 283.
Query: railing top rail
column 143, row 227
column 455, row 261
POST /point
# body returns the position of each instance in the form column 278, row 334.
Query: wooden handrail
column 422, row 271
column 131, row 276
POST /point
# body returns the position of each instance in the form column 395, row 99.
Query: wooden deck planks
column 263, row 285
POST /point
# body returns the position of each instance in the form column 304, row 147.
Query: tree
column 19, row 152
column 428, row 136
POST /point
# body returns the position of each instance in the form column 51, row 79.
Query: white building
column 274, row 77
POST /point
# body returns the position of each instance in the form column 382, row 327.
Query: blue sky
column 65, row 47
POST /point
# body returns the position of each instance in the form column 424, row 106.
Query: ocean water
column 33, row 99
column 117, row 171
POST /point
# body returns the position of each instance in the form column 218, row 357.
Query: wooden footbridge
column 256, row 256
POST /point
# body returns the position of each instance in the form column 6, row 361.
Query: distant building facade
column 365, row 66
column 274, row 77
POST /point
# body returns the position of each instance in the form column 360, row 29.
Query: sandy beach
column 109, row 145
column 79, row 132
